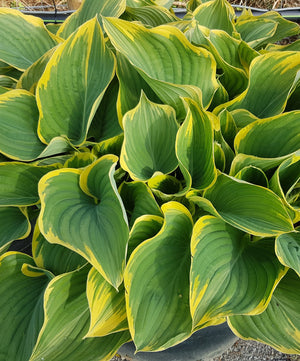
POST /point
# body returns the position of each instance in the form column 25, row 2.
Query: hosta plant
column 153, row 165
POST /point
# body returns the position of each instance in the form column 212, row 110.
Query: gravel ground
column 247, row 351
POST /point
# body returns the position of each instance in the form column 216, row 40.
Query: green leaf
column 287, row 248
column 54, row 257
column 84, row 53
column 242, row 117
column 279, row 325
column 194, row 147
column 294, row 46
column 174, row 76
column 270, row 138
column 139, row 3
column 226, row 51
column 107, row 306
column 284, row 29
column 215, row 14
column 149, row 140
column 3, row 90
column 109, row 146
column 225, row 270
column 21, row 306
column 228, row 127
column 271, row 80
column 105, row 124
column 165, row 187
column 19, row 183
column 255, row 30
column 253, row 175
column 251, row 208
column 82, row 210
column 88, row 10
column 144, row 227
column 131, row 85
column 14, row 225
column 32, row 75
column 18, row 121
column 80, row 160
column 285, row 183
column 7, row 81
column 265, row 164
column 149, row 15
column 24, row 38
column 67, row 321
column 138, row 200
column 157, row 284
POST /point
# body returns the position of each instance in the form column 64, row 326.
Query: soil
column 246, row 351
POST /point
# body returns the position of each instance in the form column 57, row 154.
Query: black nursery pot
column 202, row 345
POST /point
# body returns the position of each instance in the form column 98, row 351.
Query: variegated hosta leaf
column 228, row 127
column 139, row 3
column 243, row 117
column 31, row 75
column 19, row 183
column 149, row 15
column 287, row 248
column 18, row 121
column 293, row 102
column 253, row 175
column 165, row 187
column 14, row 225
column 174, row 75
column 82, row 210
column 294, row 46
column 83, row 65
column 80, row 160
column 54, row 257
column 228, row 152
column 284, row 29
column 107, row 306
column 52, row 27
column 271, row 80
column 67, row 321
column 165, row 3
column 279, row 325
column 24, row 38
column 6, row 69
column 192, row 5
column 138, row 200
column 131, row 85
column 21, row 306
column 109, row 146
column 105, row 124
column 244, row 160
column 226, row 52
column 219, row 157
column 270, row 138
column 251, row 208
column 157, row 284
column 255, row 30
column 3, row 90
column 7, row 81
column 144, row 227
column 195, row 149
column 88, row 10
column 285, row 183
column 149, row 140
column 229, row 273
column 215, row 14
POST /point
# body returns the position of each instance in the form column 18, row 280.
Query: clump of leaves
column 155, row 162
